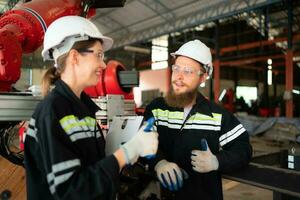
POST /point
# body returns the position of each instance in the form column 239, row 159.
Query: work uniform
column 64, row 150
column 179, row 135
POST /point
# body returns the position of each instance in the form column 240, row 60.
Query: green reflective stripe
column 159, row 113
column 200, row 117
column 67, row 118
column 217, row 116
column 71, row 124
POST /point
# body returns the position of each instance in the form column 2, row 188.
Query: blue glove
column 170, row 175
column 150, row 124
column 203, row 145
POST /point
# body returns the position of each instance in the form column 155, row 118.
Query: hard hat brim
column 107, row 43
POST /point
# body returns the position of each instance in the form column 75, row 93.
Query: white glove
column 204, row 161
column 142, row 144
column 170, row 175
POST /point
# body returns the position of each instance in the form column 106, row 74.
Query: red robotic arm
column 22, row 30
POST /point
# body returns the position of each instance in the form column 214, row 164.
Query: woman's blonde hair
column 53, row 73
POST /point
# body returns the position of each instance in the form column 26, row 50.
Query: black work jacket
column 226, row 138
column 64, row 150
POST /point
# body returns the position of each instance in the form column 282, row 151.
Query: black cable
column 8, row 131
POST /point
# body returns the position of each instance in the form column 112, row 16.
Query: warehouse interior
column 255, row 46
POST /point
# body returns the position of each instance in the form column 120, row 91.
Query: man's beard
column 180, row 100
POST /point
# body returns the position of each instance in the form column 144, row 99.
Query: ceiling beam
column 160, row 9
column 251, row 45
column 247, row 61
column 111, row 23
column 222, row 9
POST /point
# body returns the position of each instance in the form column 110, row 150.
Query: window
column 159, row 55
column 248, row 93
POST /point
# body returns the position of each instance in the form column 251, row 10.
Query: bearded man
column 198, row 140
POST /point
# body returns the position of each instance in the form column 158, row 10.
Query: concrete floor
column 237, row 191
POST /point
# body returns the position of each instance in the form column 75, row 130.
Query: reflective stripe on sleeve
column 231, row 135
column 32, row 130
column 61, row 172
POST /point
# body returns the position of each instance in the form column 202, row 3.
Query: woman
column 64, row 146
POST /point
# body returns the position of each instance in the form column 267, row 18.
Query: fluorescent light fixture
column 269, row 67
column 269, row 61
column 296, row 91
column 269, row 77
column 248, row 93
column 222, row 95
column 159, row 53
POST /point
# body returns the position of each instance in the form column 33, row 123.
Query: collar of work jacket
column 84, row 103
column 202, row 106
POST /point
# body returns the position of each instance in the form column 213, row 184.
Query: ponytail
column 49, row 78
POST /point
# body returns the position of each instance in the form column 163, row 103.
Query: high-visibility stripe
column 190, row 120
column 175, row 119
column 189, row 126
column 71, row 120
column 216, row 117
column 204, row 119
column 79, row 129
column 231, row 135
column 231, row 132
column 173, row 126
column 67, row 166
column 60, row 179
column 201, row 121
column 178, row 115
column 72, row 124
column 83, row 135
column 31, row 131
column 202, row 127
column 166, row 113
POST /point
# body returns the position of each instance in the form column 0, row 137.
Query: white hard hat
column 198, row 51
column 65, row 31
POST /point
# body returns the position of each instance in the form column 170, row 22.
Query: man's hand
column 170, row 175
column 203, row 160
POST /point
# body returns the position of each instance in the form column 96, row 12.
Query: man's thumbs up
column 203, row 160
column 203, row 145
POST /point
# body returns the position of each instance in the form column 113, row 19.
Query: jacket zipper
column 186, row 119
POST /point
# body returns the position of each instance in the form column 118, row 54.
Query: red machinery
column 228, row 100
column 22, row 30
column 111, row 83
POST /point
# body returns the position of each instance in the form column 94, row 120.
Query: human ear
column 203, row 78
column 73, row 57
